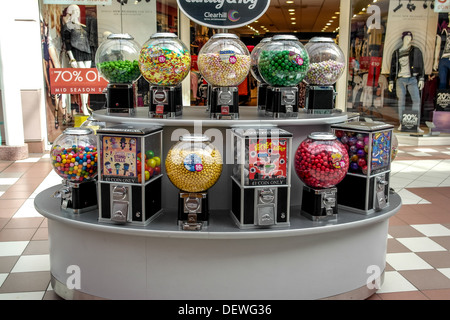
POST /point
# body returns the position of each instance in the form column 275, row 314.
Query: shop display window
column 396, row 71
column 71, row 34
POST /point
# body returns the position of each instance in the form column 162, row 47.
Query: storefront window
column 71, row 34
column 395, row 54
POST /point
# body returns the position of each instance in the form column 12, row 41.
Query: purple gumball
column 361, row 153
column 352, row 141
column 359, row 144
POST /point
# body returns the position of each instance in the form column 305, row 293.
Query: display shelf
column 307, row 260
column 221, row 224
column 248, row 115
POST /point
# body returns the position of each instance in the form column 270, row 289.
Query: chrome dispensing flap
column 120, row 203
column 381, row 201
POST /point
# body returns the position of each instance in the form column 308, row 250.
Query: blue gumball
column 352, row 141
column 361, row 153
column 354, row 166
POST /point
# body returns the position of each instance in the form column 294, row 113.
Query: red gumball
column 139, row 167
column 362, row 162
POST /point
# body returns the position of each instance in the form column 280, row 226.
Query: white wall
column 21, row 68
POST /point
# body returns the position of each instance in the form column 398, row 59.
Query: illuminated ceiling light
column 333, row 17
column 291, row 9
column 291, row 13
column 289, row 2
column 293, row 22
column 330, row 20
column 328, row 24
column 293, row 18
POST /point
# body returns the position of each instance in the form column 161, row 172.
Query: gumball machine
column 193, row 165
column 224, row 62
column 365, row 188
column 326, row 65
column 130, row 174
column 164, row 62
column 321, row 162
column 116, row 61
column 262, row 85
column 283, row 64
column 261, row 177
column 74, row 159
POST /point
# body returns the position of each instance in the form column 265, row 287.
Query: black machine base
column 120, row 99
column 78, row 197
column 165, row 102
column 262, row 97
column 319, row 204
column 282, row 102
column 193, row 210
column 319, row 99
column 134, row 204
column 364, row 195
column 224, row 103
column 260, row 207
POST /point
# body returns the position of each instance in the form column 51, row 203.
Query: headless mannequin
column 442, row 59
column 405, row 80
column 77, row 44
column 406, row 46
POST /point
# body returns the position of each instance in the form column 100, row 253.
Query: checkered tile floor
column 418, row 255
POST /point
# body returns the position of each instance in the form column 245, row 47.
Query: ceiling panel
column 311, row 16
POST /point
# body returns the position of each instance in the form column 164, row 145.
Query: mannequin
column 77, row 45
column 408, row 72
column 442, row 56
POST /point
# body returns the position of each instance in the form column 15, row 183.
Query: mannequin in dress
column 408, row 73
column 77, row 45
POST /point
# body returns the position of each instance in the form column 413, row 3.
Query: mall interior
column 394, row 81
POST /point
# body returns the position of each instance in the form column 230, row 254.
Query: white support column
column 345, row 18
column 185, row 37
column 11, row 73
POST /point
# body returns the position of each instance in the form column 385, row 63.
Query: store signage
column 410, row 121
column 374, row 71
column 223, row 13
column 76, row 80
column 443, row 100
column 79, row 2
column 442, row 5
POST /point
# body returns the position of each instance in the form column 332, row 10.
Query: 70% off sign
column 76, row 80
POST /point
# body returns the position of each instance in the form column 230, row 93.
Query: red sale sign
column 76, row 80
column 374, row 71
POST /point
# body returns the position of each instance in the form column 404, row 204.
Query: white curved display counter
column 307, row 260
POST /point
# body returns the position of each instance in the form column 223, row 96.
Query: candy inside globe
column 74, row 155
column 283, row 62
column 326, row 61
column 224, row 60
column 116, row 59
column 164, row 60
column 321, row 161
column 193, row 164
